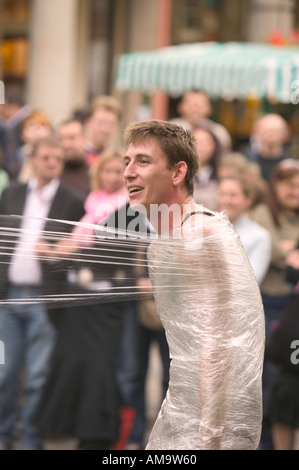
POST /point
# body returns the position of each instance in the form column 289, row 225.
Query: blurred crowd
column 79, row 371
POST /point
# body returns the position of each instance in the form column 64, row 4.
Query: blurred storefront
column 14, row 40
column 57, row 53
column 61, row 54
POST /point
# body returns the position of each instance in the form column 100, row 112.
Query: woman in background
column 236, row 196
column 108, row 193
column 283, row 350
column 280, row 216
column 206, row 179
column 236, row 164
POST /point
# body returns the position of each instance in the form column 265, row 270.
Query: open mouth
column 135, row 189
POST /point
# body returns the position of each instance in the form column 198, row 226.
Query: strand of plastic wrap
column 94, row 264
column 207, row 298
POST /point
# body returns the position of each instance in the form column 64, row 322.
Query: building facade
column 62, row 54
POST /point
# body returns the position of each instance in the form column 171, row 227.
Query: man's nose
column 129, row 171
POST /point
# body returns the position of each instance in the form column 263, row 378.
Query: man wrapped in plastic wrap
column 206, row 295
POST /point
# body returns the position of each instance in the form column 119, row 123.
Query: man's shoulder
column 15, row 186
column 262, row 215
column 215, row 126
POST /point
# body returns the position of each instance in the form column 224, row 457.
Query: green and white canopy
column 224, row 70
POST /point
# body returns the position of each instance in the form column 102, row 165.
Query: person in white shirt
column 236, row 197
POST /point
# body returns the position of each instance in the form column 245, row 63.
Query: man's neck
column 167, row 217
column 41, row 183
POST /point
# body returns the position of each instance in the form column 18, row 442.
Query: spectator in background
column 107, row 190
column 280, row 216
column 13, row 112
column 206, row 179
column 236, row 196
column 282, row 349
column 73, row 139
column 25, row 327
column 194, row 109
column 236, row 164
column 267, row 145
column 102, row 126
column 36, row 126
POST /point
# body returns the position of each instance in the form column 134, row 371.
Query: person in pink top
column 108, row 193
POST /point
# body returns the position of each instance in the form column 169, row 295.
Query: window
column 209, row 20
column 195, row 20
column 14, row 43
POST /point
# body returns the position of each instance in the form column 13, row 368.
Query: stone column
column 53, row 72
column 141, row 31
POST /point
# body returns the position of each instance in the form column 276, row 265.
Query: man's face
column 147, row 177
column 101, row 127
column 47, row 163
column 72, row 139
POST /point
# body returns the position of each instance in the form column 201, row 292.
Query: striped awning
column 224, row 70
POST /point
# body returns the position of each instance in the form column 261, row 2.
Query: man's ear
column 179, row 174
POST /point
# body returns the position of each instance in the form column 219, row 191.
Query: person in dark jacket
column 26, row 211
column 283, row 349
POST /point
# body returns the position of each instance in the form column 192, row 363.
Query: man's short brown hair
column 176, row 143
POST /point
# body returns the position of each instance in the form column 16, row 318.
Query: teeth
column 135, row 188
